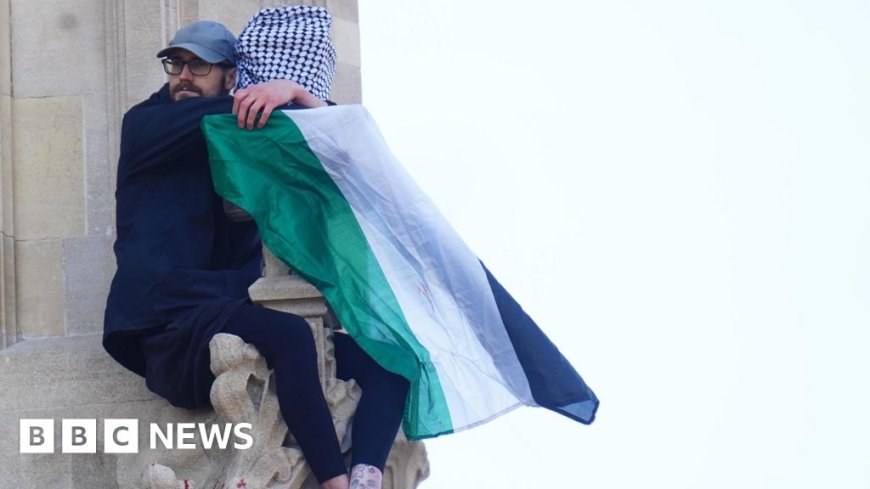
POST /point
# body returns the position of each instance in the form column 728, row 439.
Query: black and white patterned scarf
column 291, row 43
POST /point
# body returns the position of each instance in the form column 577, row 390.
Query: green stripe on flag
column 273, row 175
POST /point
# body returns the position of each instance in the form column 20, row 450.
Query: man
column 184, row 267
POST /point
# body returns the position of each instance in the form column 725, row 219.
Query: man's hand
column 263, row 98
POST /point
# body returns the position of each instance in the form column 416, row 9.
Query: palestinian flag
column 333, row 203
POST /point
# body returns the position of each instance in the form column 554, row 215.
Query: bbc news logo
column 122, row 436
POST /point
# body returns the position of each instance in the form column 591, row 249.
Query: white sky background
column 679, row 193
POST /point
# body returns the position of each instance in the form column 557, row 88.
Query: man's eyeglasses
column 196, row 66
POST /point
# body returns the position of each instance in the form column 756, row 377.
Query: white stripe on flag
column 438, row 282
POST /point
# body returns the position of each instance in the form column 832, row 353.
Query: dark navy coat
column 183, row 266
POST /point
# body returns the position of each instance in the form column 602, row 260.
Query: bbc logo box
column 36, row 436
column 79, row 436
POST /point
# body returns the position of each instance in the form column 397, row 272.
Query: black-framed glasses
column 197, row 67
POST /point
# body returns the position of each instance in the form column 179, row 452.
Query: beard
column 186, row 89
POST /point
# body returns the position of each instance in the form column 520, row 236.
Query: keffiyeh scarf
column 291, row 43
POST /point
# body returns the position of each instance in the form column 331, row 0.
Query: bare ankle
column 339, row 482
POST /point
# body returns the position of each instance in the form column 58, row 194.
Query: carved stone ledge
column 244, row 392
column 289, row 293
column 407, row 466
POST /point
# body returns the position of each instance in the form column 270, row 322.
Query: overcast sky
column 679, row 193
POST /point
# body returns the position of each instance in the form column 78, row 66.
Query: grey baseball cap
column 209, row 40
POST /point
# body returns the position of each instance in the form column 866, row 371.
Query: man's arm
column 154, row 132
column 263, row 98
column 159, row 132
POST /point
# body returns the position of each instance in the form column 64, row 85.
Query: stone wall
column 68, row 71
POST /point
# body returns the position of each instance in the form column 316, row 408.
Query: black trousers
column 287, row 343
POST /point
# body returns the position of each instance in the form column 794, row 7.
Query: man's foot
column 364, row 476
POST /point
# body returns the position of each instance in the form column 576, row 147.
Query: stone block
column 42, row 470
column 99, row 158
column 45, row 372
column 49, row 167
column 5, row 49
column 142, row 30
column 59, row 47
column 88, row 265
column 234, row 15
column 76, row 471
column 39, row 280
column 7, row 246
column 101, row 203
column 8, row 328
column 347, row 86
column 344, row 9
column 71, row 377
column 6, row 165
column 345, row 35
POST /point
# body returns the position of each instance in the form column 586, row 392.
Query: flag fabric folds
column 332, row 202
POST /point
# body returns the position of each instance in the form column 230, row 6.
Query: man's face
column 217, row 82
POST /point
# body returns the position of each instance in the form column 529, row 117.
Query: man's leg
column 287, row 343
column 379, row 412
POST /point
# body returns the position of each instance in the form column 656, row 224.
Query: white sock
column 364, row 476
